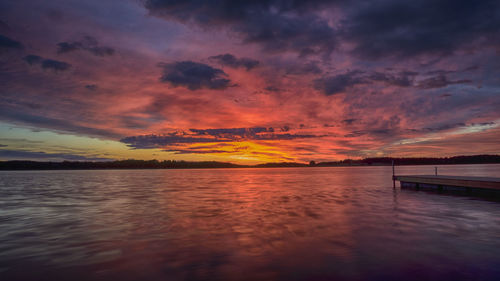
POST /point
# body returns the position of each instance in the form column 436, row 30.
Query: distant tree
column 312, row 163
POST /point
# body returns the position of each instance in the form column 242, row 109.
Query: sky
column 248, row 81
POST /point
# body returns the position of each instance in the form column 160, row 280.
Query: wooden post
column 393, row 179
column 436, row 170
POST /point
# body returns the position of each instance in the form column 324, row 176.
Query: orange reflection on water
column 237, row 224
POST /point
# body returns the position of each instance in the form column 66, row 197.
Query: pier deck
column 454, row 183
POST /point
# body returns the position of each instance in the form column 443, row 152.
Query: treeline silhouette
column 172, row 164
column 473, row 159
column 119, row 164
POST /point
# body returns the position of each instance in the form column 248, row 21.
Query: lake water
column 338, row 223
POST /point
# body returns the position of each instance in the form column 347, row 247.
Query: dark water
column 244, row 224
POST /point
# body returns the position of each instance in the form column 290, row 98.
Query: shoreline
column 230, row 167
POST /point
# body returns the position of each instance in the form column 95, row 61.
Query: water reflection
column 243, row 224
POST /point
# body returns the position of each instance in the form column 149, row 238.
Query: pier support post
column 393, row 178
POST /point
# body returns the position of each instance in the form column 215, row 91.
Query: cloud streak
column 8, row 154
column 224, row 135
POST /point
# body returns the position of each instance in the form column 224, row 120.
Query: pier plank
column 458, row 181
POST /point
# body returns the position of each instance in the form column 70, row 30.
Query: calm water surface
column 244, row 224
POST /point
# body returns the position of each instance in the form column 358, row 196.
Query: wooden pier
column 475, row 185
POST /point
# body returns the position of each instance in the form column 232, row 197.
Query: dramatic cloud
column 89, row 44
column 232, row 61
column 376, row 29
column 394, row 28
column 193, row 75
column 210, row 136
column 50, row 64
column 6, row 42
column 277, row 26
column 274, row 79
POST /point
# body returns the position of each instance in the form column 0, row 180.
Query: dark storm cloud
column 8, row 43
column 232, row 61
column 50, row 64
column 276, row 25
column 439, row 81
column 194, row 75
column 375, row 29
column 337, row 84
column 222, row 135
column 307, row 35
column 87, row 43
column 21, row 154
column 394, row 28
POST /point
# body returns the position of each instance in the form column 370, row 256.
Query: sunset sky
column 248, row 81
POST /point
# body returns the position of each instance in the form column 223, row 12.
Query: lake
column 331, row 223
